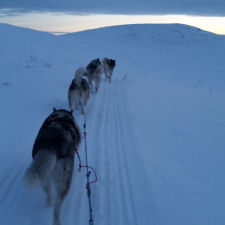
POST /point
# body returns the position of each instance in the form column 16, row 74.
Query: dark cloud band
column 198, row 7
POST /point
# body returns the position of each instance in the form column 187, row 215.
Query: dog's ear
column 54, row 109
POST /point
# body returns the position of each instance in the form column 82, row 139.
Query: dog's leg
column 70, row 100
column 105, row 72
column 82, row 106
column 62, row 179
column 42, row 165
column 90, row 82
column 97, row 83
column 92, row 88
column 76, row 104
column 110, row 77
column 75, row 101
column 86, row 97
column 47, row 186
column 70, row 104
column 82, row 109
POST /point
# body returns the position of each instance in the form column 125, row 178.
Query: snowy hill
column 150, row 33
column 155, row 134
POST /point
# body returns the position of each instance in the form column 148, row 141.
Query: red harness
column 89, row 167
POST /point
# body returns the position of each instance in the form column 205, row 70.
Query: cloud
column 198, row 7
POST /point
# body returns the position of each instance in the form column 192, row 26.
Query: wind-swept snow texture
column 155, row 135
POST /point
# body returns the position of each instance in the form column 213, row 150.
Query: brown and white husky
column 79, row 91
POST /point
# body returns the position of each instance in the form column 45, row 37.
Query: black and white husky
column 108, row 67
column 53, row 158
column 94, row 72
column 79, row 90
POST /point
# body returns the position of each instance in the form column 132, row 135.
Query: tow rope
column 88, row 173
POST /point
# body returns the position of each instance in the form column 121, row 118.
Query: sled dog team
column 59, row 137
column 82, row 84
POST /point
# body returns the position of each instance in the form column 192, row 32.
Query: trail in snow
column 113, row 190
column 112, row 195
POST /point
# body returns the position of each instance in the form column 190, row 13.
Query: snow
column 155, row 135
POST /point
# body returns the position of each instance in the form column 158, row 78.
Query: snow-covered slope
column 155, row 134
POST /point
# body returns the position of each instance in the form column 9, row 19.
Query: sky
column 199, row 7
column 60, row 23
column 57, row 16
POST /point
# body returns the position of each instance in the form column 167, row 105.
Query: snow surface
column 155, row 134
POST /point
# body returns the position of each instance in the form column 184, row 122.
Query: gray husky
column 79, row 90
column 108, row 67
column 53, row 157
column 94, row 72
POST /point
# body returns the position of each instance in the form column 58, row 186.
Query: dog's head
column 66, row 119
column 62, row 113
column 59, row 115
column 111, row 62
column 96, row 62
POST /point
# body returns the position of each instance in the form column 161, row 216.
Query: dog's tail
column 41, row 167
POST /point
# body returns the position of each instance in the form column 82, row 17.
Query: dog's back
column 74, row 94
column 78, row 95
column 93, row 65
column 58, row 137
column 94, row 70
column 85, row 89
column 57, row 134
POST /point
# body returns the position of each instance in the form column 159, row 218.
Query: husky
column 53, row 157
column 108, row 67
column 94, row 71
column 79, row 90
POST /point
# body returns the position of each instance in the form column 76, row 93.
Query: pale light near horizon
column 67, row 23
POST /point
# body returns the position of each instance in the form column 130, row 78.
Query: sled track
column 107, row 148
column 76, row 203
column 119, row 114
